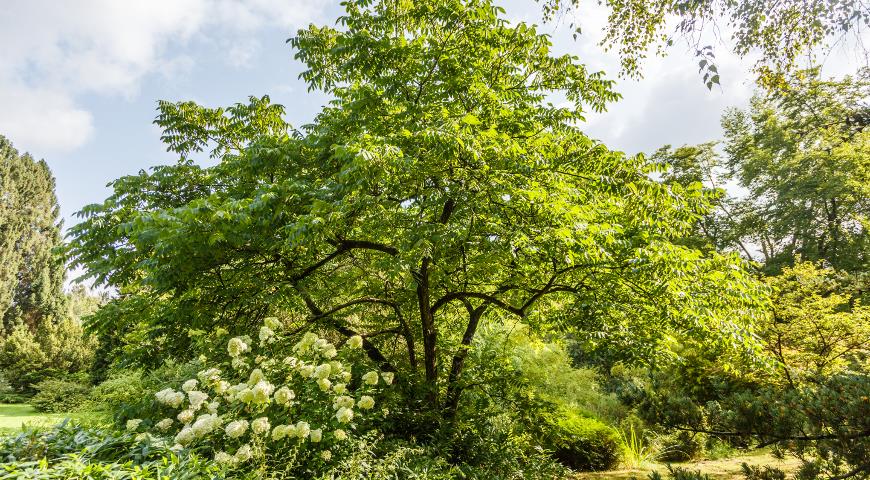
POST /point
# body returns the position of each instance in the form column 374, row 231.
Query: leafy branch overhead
column 783, row 33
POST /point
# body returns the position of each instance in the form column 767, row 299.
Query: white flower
column 302, row 429
column 339, row 435
column 209, row 376
column 321, row 343
column 205, row 424
column 355, row 341
column 388, row 377
column 266, row 334
column 133, row 424
column 279, row 432
column 324, row 384
column 239, row 364
column 366, row 402
column 316, row 435
column 307, row 341
column 326, row 455
column 246, row 395
column 177, row 447
column 283, row 395
column 236, row 346
column 344, row 415
column 340, row 388
column 330, row 351
column 273, row 323
column 256, row 376
column 262, row 391
column 343, row 401
column 163, row 425
column 189, row 385
column 260, row 425
column 221, row 387
column 322, row 371
column 306, row 370
column 243, row 454
column 185, row 436
column 291, row 361
column 185, row 417
column 196, row 399
column 236, row 428
column 223, row 458
column 170, row 397
column 371, row 378
column 213, row 407
column 345, row 376
column 290, row 431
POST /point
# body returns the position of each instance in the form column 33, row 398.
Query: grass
column 723, row 469
column 15, row 416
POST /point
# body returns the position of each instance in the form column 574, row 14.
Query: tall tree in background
column 797, row 165
column 31, row 272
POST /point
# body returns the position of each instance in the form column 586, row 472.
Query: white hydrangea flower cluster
column 301, row 397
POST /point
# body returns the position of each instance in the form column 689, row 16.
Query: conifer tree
column 31, row 272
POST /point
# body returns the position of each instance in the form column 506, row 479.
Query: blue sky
column 79, row 81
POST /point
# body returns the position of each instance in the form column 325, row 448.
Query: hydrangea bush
column 271, row 400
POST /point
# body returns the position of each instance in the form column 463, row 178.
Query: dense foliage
column 423, row 202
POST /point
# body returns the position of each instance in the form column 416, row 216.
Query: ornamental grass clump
column 271, row 401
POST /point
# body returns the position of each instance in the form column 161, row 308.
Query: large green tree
column 31, row 272
column 795, row 177
column 438, row 190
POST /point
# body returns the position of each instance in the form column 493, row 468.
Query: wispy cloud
column 52, row 53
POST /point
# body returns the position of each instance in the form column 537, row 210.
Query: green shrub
column 120, row 390
column 580, row 443
column 679, row 473
column 762, row 473
column 74, row 451
column 8, row 394
column 58, row 396
column 681, row 446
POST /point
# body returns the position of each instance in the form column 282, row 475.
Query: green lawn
column 13, row 417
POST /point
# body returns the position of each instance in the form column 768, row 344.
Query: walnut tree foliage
column 439, row 190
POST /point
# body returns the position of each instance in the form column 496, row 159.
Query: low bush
column 762, row 473
column 580, row 443
column 75, row 451
column 8, row 394
column 122, row 389
column 679, row 473
column 59, row 396
column 681, row 446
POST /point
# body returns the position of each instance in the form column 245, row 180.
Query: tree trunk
column 454, row 390
column 430, row 334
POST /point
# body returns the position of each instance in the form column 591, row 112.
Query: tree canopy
column 439, row 189
column 801, row 157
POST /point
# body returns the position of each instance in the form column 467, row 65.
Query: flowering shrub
column 270, row 399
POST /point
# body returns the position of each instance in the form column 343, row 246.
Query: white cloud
column 52, row 52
